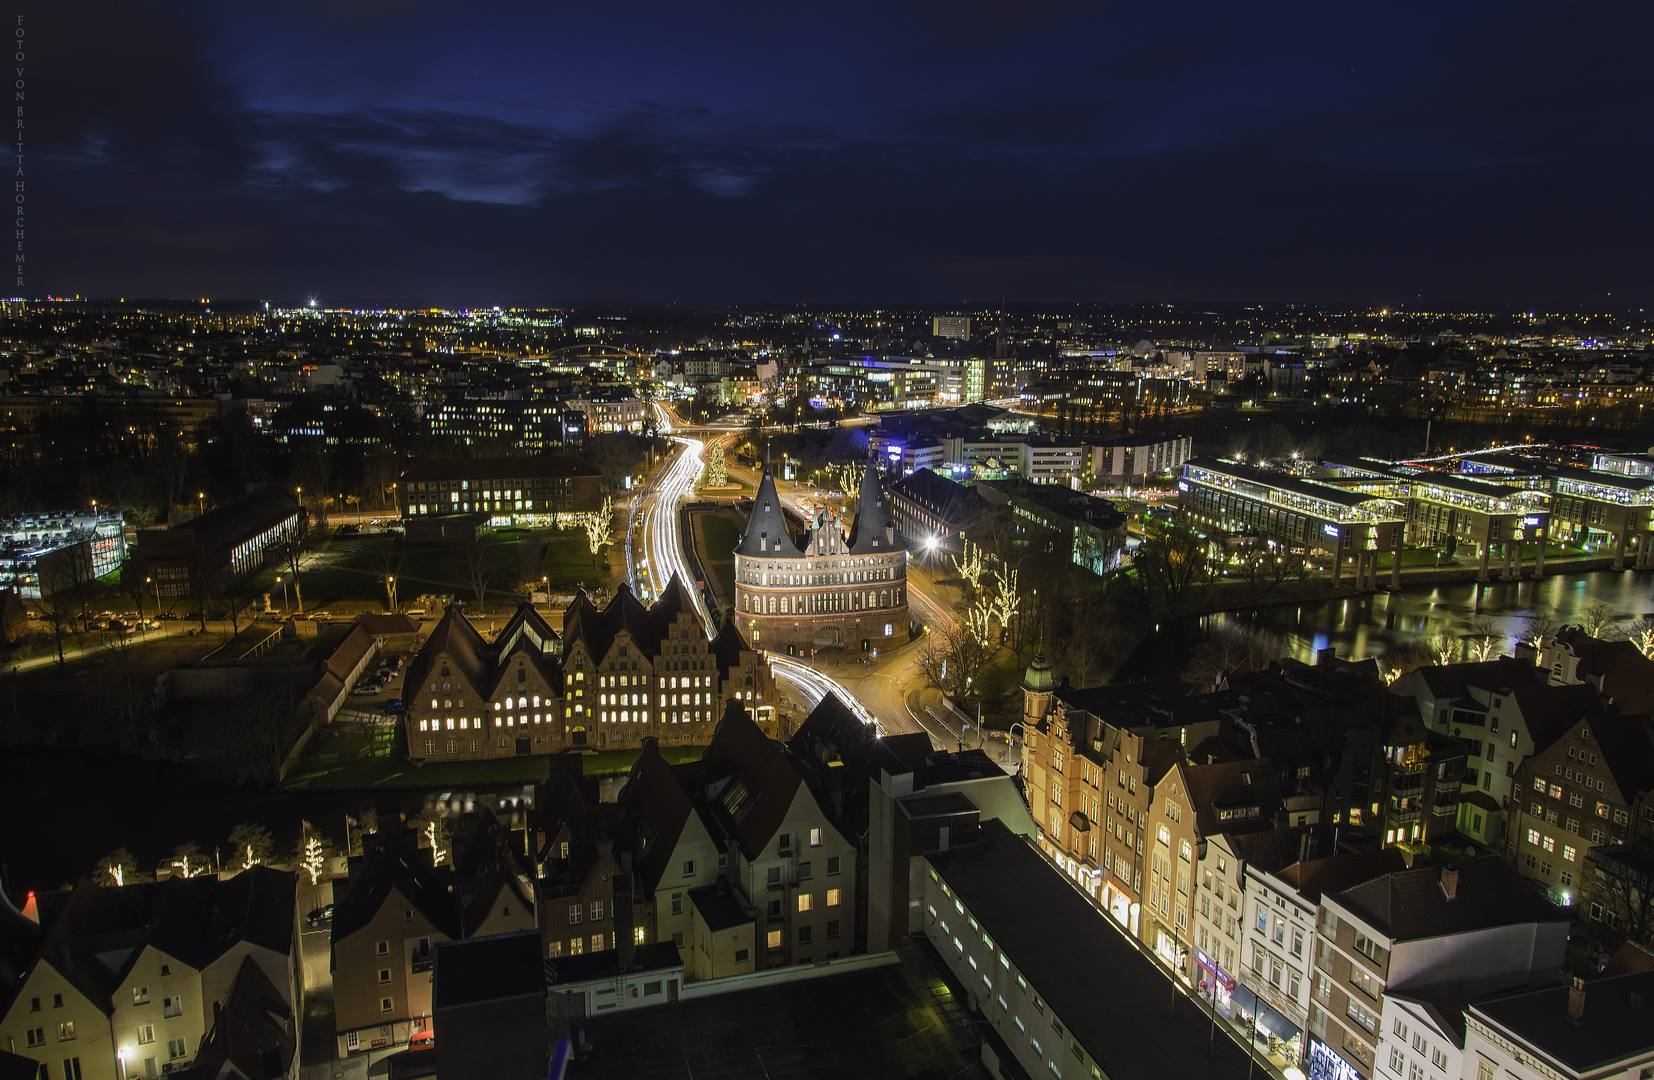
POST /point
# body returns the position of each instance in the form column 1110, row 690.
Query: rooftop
column 1409, row 905
column 1616, row 1023
column 476, row 970
column 1113, row 998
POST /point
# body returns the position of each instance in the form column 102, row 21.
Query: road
column 876, row 688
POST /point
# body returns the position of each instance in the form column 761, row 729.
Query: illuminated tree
column 1484, row 642
column 599, row 526
column 314, row 853
column 117, row 868
column 252, row 845
column 971, row 567
column 188, row 860
column 1641, row 634
column 716, row 474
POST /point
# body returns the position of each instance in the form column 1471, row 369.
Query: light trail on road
column 665, row 556
column 811, row 685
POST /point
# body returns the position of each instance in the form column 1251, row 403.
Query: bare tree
column 479, row 561
column 1265, row 567
column 384, row 555
column 1622, row 882
column 1226, row 650
column 1170, row 565
column 1537, row 628
column 1443, row 646
column 1597, row 619
column 952, row 659
column 1484, row 641
column 251, row 845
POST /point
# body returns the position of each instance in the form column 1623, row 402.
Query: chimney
column 1450, row 882
column 1576, row 1001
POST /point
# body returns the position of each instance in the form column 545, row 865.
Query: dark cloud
column 1058, row 150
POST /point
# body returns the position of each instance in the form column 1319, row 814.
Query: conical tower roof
column 767, row 533
column 1038, row 677
column 873, row 518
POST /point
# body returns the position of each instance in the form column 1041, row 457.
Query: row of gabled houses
column 611, row 678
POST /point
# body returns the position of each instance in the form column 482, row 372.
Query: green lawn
column 336, row 760
column 718, row 536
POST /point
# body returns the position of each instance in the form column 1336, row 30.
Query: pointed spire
column 874, row 529
column 767, row 532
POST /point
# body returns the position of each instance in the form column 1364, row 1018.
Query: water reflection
column 1369, row 625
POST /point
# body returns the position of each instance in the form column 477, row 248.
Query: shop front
column 1326, row 1064
column 1216, row 984
column 1120, row 904
column 1272, row 1030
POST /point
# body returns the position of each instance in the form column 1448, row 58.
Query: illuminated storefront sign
column 1325, row 1064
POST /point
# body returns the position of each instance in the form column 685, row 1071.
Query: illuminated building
column 835, row 586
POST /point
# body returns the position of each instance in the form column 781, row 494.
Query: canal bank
column 1370, row 624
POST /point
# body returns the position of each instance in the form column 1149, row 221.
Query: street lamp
column 390, row 589
column 201, row 503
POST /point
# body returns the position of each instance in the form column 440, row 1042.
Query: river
column 1368, row 625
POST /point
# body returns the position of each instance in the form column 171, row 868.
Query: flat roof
column 1117, row 1002
column 481, row 969
column 1281, row 481
column 879, row 1023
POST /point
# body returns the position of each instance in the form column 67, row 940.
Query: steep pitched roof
column 874, row 529
column 1212, row 787
column 94, row 934
column 659, row 807
column 1314, row 878
column 253, row 1035
column 767, row 532
column 1627, row 744
column 455, row 636
column 947, row 501
column 727, row 647
column 389, row 863
column 756, row 799
column 1626, row 675
column 836, row 751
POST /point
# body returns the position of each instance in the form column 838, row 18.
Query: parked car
column 367, row 689
column 322, row 916
column 395, row 707
column 319, row 616
column 167, row 616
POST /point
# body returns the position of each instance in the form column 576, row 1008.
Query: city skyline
column 385, row 153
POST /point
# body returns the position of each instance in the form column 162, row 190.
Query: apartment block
column 1413, row 927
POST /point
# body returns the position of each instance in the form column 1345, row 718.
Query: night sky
column 1432, row 153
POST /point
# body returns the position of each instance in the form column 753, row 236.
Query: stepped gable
column 530, row 636
column 874, row 530
column 767, row 534
column 727, row 647
column 673, row 601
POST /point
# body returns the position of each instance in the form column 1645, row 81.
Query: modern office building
column 1351, row 526
column 513, row 491
column 58, row 546
column 208, row 554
